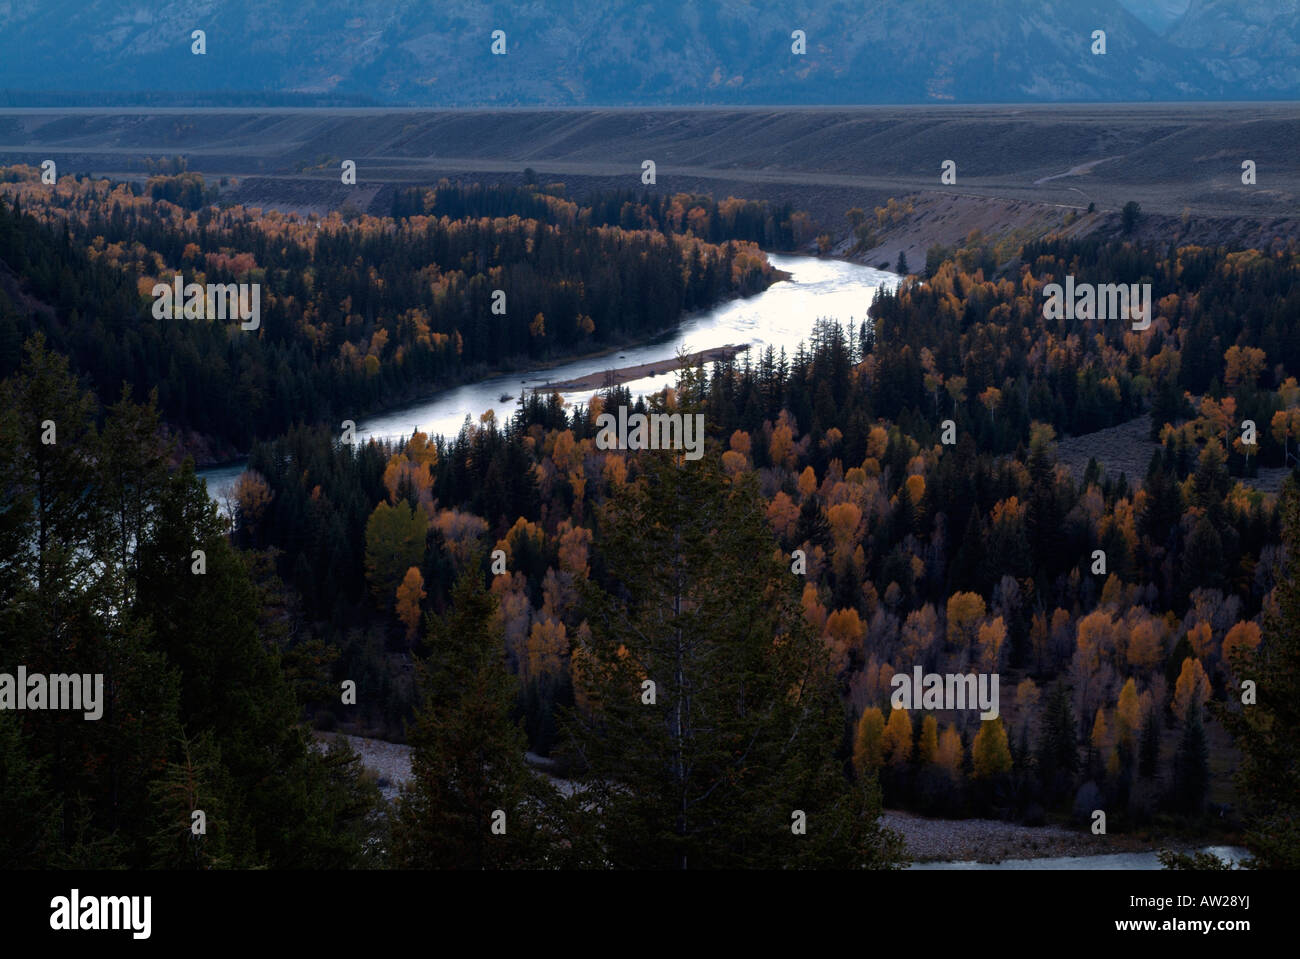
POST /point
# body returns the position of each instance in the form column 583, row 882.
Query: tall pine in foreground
column 287, row 806
column 472, row 802
column 1269, row 775
column 740, row 760
column 98, row 576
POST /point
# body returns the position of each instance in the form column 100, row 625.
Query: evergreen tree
column 29, row 811
column 15, row 519
column 1265, row 731
column 304, row 811
column 188, row 786
column 68, row 582
column 1191, row 780
column 1058, row 753
column 1129, row 216
column 812, row 527
column 736, row 758
column 468, row 777
column 1043, row 516
column 1149, row 750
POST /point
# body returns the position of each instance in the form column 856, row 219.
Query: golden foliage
column 869, row 743
column 409, row 595
column 990, row 755
column 1192, row 686
column 964, row 611
column 897, row 742
column 950, row 751
column 1127, row 713
column 927, row 747
column 1242, row 636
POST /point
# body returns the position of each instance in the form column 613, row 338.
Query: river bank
column 626, row 374
column 931, row 843
column 988, row 841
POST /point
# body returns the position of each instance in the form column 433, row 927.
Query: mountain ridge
column 682, row 52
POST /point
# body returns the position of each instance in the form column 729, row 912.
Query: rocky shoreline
column 992, row 840
column 625, row 374
column 927, row 840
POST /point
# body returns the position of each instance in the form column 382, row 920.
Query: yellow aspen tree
column 781, row 449
column 844, row 519
column 782, row 514
column 990, row 755
column 252, row 494
column 1244, row 635
column 1128, row 717
column 927, row 748
column 950, row 751
column 814, row 612
column 409, row 595
column 614, row 470
column 1146, row 643
column 547, row 644
column 965, row 610
column 1100, row 738
column 898, row 737
column 574, row 547
column 565, row 453
column 991, row 637
column 991, row 398
column 807, row 482
column 877, row 442
column 1192, row 686
column 734, row 463
column 920, row 632
column 868, row 745
column 1285, row 426
column 916, row 489
column 846, row 630
column 420, row 450
column 1242, row 365
column 1201, row 637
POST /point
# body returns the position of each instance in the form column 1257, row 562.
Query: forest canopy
column 889, row 497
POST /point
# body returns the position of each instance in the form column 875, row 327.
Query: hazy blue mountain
column 1159, row 15
column 588, row 52
column 1250, row 44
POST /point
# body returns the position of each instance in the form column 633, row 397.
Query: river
column 781, row 316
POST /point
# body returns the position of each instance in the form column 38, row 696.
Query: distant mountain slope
column 1252, row 44
column 1159, row 15
column 588, row 52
